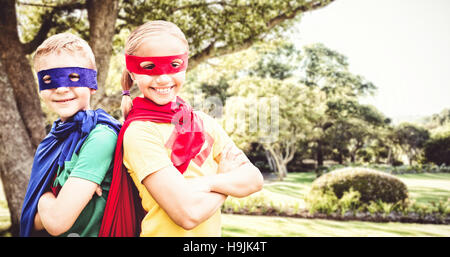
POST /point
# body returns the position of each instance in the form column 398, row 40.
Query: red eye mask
column 161, row 64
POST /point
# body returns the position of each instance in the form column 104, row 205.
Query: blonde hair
column 66, row 42
column 135, row 39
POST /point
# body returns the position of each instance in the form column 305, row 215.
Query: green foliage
column 322, row 202
column 437, row 149
column 327, row 202
column 442, row 206
column 371, row 184
column 411, row 138
column 438, row 122
column 397, row 169
column 385, row 208
column 64, row 15
column 258, row 203
column 279, row 63
column 346, row 125
column 349, row 201
column 327, row 111
column 217, row 25
column 329, row 70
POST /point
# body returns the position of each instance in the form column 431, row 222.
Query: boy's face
column 65, row 101
column 161, row 89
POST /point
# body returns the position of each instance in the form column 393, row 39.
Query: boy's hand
column 231, row 158
column 37, row 222
column 99, row 190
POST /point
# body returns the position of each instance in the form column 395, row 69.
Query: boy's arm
column 237, row 176
column 37, row 219
column 58, row 214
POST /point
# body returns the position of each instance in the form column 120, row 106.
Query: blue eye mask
column 67, row 77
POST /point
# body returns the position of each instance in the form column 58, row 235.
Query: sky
column 402, row 46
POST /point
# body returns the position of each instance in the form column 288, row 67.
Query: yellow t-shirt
column 147, row 149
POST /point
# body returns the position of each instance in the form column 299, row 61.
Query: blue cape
column 64, row 139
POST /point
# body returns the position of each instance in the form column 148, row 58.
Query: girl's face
column 163, row 88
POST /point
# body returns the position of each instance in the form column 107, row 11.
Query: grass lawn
column 263, row 226
column 427, row 187
column 424, row 188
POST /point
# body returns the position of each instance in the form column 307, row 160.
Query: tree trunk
column 282, row 171
column 22, row 120
column 410, row 157
column 319, row 154
column 390, row 159
column 20, row 74
column 270, row 160
column 340, row 158
column 280, row 165
column 102, row 16
column 352, row 157
column 16, row 152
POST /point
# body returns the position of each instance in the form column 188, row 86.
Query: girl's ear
column 93, row 91
column 132, row 76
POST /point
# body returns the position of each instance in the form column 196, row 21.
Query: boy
column 75, row 160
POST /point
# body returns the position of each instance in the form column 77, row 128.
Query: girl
column 182, row 162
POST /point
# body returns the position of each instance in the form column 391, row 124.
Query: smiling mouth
column 163, row 90
column 64, row 100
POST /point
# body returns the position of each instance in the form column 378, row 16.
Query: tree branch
column 49, row 6
column 222, row 3
column 202, row 56
column 48, row 22
column 300, row 9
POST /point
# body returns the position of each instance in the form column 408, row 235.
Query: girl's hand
column 231, row 158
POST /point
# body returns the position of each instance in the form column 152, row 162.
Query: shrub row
column 329, row 203
column 403, row 169
column 434, row 213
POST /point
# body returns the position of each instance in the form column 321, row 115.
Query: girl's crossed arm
column 237, row 176
column 186, row 202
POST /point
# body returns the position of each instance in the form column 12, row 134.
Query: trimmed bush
column 372, row 185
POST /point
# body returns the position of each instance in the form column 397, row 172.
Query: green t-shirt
column 94, row 163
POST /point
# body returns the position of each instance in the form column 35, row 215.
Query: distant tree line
column 320, row 115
